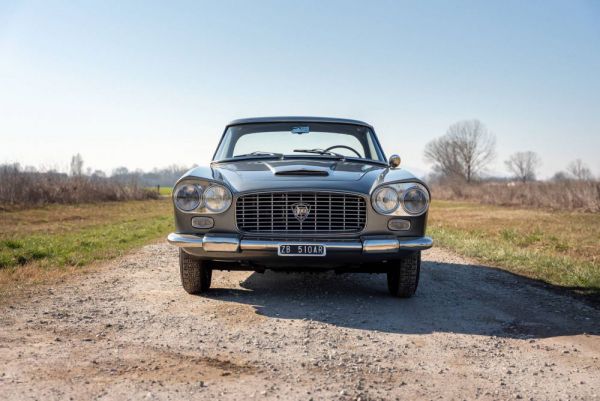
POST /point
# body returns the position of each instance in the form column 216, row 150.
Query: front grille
column 327, row 213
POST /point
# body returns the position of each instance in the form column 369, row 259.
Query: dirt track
column 128, row 331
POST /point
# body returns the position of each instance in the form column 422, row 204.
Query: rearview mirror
column 394, row 161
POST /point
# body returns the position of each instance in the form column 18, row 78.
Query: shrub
column 582, row 195
column 25, row 189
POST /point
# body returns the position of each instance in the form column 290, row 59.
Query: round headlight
column 415, row 200
column 187, row 197
column 217, row 198
column 386, row 200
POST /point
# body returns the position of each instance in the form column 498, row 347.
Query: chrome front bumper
column 233, row 243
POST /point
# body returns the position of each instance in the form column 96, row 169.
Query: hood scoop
column 298, row 169
column 303, row 172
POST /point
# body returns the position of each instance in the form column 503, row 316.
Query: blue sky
column 143, row 84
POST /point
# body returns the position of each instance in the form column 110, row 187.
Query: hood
column 341, row 175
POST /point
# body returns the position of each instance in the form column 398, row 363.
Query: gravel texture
column 129, row 331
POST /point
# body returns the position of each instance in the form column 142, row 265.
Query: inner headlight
column 415, row 200
column 217, row 198
column 188, row 197
column 386, row 200
column 413, row 196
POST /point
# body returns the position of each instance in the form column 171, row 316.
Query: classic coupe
column 301, row 194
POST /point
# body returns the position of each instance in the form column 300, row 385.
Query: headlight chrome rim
column 193, row 188
column 425, row 197
column 375, row 201
column 403, row 190
column 227, row 198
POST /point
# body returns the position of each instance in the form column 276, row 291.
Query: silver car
column 301, row 194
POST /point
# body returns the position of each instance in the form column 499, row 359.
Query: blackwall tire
column 196, row 275
column 403, row 279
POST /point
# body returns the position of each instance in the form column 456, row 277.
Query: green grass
column 560, row 248
column 83, row 246
column 35, row 241
column 163, row 190
column 166, row 191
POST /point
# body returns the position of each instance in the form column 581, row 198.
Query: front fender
column 201, row 172
column 394, row 175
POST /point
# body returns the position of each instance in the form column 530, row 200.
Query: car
column 301, row 194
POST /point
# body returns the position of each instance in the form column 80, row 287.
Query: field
column 39, row 243
column 560, row 248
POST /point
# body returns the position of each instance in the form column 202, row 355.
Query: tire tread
column 404, row 280
column 196, row 275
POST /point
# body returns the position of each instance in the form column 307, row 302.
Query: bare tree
column 579, row 170
column 76, row 165
column 524, row 165
column 464, row 151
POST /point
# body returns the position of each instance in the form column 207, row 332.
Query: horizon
column 154, row 85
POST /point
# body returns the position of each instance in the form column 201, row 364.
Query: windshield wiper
column 259, row 153
column 319, row 152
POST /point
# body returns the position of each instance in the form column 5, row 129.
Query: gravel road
column 129, row 331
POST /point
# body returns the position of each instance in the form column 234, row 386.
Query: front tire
column 196, row 274
column 403, row 280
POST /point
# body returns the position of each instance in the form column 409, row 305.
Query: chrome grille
column 273, row 212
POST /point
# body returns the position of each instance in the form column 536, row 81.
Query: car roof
column 298, row 119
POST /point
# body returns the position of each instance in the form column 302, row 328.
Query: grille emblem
column 301, row 211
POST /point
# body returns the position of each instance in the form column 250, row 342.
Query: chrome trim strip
column 220, row 243
column 232, row 243
column 392, row 245
column 268, row 245
column 416, row 244
column 380, row 245
column 185, row 240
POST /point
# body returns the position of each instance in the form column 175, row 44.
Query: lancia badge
column 301, row 211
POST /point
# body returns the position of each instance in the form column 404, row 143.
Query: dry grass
column 19, row 189
column 60, row 219
column 561, row 248
column 563, row 195
column 53, row 241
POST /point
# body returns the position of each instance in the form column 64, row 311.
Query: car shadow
column 452, row 298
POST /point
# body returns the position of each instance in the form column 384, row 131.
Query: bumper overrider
column 237, row 246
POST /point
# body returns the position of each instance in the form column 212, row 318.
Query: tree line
column 468, row 147
column 165, row 176
column 28, row 186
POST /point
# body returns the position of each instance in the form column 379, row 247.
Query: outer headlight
column 415, row 200
column 385, row 200
column 188, row 197
column 217, row 198
column 413, row 196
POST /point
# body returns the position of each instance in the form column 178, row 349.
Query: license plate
column 301, row 250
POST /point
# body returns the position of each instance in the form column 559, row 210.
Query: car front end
column 314, row 211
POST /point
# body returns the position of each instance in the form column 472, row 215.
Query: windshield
column 296, row 139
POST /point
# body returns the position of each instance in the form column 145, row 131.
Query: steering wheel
column 343, row 147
